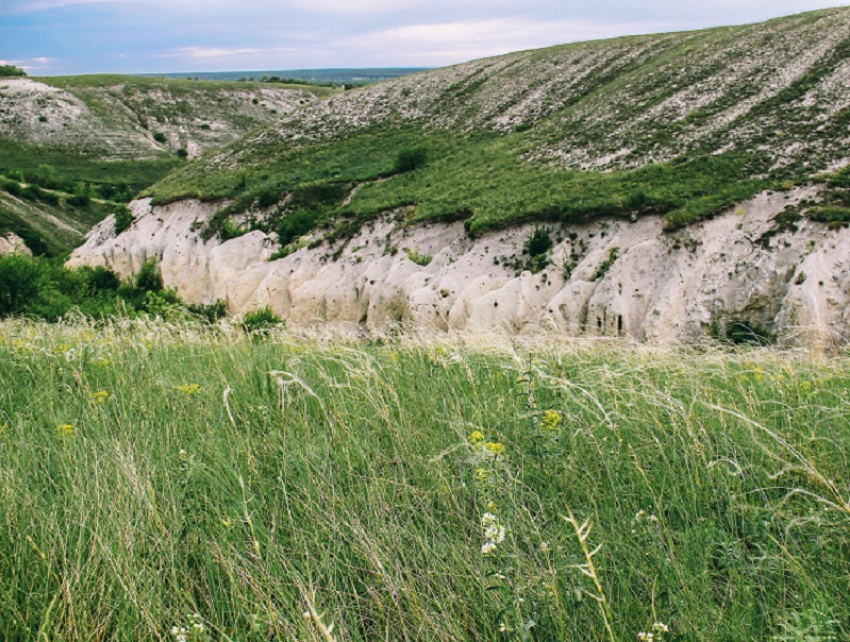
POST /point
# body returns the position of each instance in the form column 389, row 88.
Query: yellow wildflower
column 65, row 430
column 494, row 447
column 482, row 474
column 551, row 420
column 189, row 388
column 476, row 437
column 100, row 396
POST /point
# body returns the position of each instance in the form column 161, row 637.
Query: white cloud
column 450, row 42
column 41, row 63
column 209, row 52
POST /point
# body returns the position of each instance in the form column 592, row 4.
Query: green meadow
column 179, row 481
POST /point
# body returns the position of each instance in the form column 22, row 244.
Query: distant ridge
column 332, row 76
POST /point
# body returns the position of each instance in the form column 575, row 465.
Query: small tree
column 7, row 71
column 20, row 283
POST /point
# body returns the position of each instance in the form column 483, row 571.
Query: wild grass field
column 185, row 482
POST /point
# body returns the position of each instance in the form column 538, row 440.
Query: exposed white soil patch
column 11, row 243
column 662, row 288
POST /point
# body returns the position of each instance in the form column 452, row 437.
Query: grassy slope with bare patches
column 681, row 124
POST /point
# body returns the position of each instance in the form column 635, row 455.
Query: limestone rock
column 630, row 278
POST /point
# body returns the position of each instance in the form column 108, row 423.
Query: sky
column 61, row 37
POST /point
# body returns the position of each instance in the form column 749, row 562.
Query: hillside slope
column 112, row 136
column 129, row 117
column 523, row 136
column 657, row 133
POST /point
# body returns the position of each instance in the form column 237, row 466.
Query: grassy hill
column 115, row 135
column 681, row 124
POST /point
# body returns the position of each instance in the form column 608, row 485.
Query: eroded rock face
column 609, row 277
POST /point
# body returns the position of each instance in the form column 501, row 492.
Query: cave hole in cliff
column 620, row 324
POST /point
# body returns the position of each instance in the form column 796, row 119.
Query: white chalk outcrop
column 609, row 277
column 11, row 243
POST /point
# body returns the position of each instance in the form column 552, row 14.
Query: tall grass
column 156, row 476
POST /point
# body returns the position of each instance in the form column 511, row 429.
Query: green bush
column 123, row 219
column 20, row 281
column 47, row 176
column 602, row 270
column 410, row 158
column 538, row 242
column 46, row 289
column 163, row 303
column 268, row 195
column 211, row 313
column 746, row 332
column 81, row 196
column 417, row 257
column 160, row 137
column 148, row 278
column 295, row 225
column 12, row 187
column 260, row 320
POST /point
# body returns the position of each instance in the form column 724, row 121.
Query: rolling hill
column 119, row 134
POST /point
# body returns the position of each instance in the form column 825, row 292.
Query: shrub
column 417, row 257
column 123, row 219
column 410, row 158
column 163, row 303
column 12, row 187
column 268, row 195
column 20, row 278
column 746, row 332
column 148, row 278
column 318, row 195
column 183, row 153
column 295, row 225
column 210, row 313
column 81, row 196
column 260, row 320
column 538, row 242
column 47, row 176
column 160, row 137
